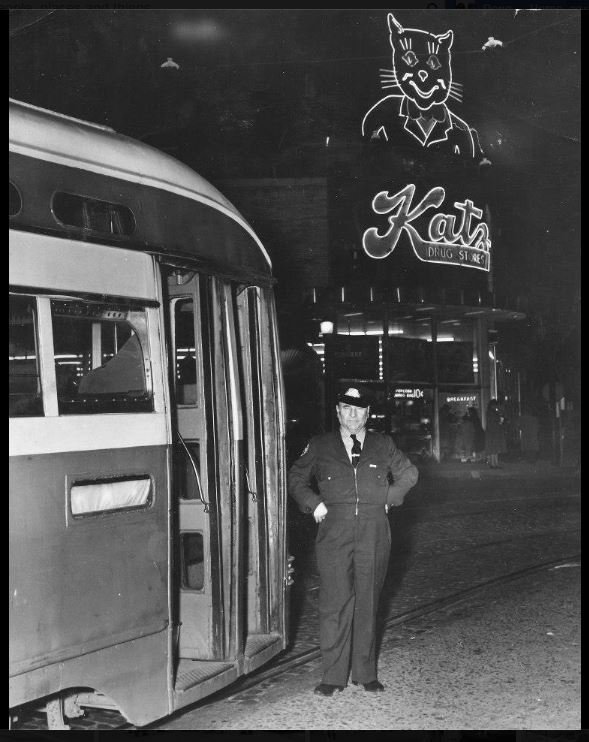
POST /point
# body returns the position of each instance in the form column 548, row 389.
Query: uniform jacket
column 324, row 473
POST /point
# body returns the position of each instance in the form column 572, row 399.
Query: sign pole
column 436, row 427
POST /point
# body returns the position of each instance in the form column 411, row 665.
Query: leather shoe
column 373, row 686
column 325, row 689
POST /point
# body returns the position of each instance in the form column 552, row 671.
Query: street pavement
column 496, row 661
column 507, row 657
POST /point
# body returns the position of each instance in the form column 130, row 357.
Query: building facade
column 393, row 270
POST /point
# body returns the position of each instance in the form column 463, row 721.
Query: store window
column 410, row 356
column 411, row 416
column 100, row 362
column 456, row 352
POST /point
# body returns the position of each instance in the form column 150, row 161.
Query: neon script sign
column 466, row 245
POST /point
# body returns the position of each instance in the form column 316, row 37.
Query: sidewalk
column 509, row 470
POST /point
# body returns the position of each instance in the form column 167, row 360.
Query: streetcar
column 148, row 559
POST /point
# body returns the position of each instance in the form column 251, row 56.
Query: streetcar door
column 206, row 491
column 264, row 628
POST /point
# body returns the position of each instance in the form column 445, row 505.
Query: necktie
column 437, row 111
column 356, row 450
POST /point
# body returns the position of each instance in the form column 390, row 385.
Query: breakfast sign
column 458, row 238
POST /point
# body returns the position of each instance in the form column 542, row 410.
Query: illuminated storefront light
column 319, row 348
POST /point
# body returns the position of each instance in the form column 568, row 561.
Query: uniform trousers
column 352, row 558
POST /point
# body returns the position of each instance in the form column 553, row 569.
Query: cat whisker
column 395, row 85
column 456, row 97
column 457, row 85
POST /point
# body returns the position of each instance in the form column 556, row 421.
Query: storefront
column 426, row 362
column 412, row 302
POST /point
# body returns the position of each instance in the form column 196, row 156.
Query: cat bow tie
column 437, row 111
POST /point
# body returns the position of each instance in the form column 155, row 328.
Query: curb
column 508, row 471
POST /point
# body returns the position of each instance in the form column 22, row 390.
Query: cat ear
column 446, row 39
column 394, row 22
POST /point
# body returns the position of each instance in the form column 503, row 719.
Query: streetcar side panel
column 89, row 477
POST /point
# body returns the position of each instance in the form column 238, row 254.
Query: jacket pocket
column 332, row 487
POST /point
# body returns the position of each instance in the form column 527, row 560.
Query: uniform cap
column 355, row 395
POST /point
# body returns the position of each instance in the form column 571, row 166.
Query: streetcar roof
column 55, row 137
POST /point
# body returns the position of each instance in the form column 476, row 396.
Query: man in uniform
column 359, row 474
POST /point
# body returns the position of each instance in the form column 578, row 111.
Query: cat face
column 422, row 64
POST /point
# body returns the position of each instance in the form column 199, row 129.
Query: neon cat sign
column 422, row 83
column 466, row 245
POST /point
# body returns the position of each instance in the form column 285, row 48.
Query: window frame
column 46, row 347
column 36, row 339
column 81, row 481
column 90, row 230
column 144, row 341
column 13, row 187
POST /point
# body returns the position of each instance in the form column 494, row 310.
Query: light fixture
column 326, row 327
column 169, row 64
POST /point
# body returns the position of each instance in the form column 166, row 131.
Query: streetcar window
column 14, row 200
column 92, row 214
column 24, row 381
column 185, row 361
column 100, row 363
column 193, row 566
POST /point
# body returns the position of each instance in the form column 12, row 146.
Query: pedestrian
column 465, row 439
column 527, row 427
column 494, row 434
column 447, row 431
column 478, row 444
column 347, row 479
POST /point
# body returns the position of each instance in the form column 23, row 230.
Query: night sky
column 256, row 92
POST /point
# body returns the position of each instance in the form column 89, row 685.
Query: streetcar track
column 472, row 547
column 423, row 610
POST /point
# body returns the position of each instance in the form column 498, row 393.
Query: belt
column 347, row 510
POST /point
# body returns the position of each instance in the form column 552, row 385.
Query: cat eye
column 410, row 58
column 433, row 62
